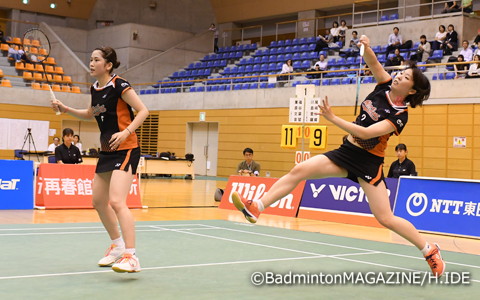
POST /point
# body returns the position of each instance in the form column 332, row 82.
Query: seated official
column 67, row 153
column 55, row 144
column 248, row 167
column 402, row 166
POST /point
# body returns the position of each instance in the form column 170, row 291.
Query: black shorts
column 358, row 162
column 125, row 160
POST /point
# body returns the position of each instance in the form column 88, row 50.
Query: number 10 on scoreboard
column 317, row 135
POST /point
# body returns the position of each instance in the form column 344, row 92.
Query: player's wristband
column 128, row 130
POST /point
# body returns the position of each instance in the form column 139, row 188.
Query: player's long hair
column 421, row 85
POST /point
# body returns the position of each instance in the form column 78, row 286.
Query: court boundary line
column 341, row 246
column 176, row 266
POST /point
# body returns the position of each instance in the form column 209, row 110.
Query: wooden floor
column 178, row 199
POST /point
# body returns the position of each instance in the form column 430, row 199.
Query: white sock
column 426, row 249
column 260, row 205
column 130, row 251
column 119, row 242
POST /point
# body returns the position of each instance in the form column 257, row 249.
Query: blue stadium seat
column 273, row 44
column 450, row 75
column 436, row 55
column 326, row 82
column 295, row 83
column 297, row 65
column 306, row 64
column 323, row 52
column 303, row 41
column 271, row 86
column 254, row 86
column 381, row 58
column 288, row 42
column 288, row 49
column 222, row 87
column 393, row 17
column 263, row 85
column 273, row 51
column 200, row 89
column 335, row 81
column 316, row 82
column 383, row 18
column 376, row 49
column 280, row 43
column 295, row 41
column 237, row 87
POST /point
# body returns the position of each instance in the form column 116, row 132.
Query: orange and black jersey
column 112, row 113
column 378, row 107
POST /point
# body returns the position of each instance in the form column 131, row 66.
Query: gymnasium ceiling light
column 53, row 5
column 25, row 1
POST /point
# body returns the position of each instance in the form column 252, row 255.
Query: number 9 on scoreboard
column 317, row 136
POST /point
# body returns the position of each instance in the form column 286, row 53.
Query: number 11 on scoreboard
column 290, row 134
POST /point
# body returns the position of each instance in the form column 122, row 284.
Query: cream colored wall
column 428, row 136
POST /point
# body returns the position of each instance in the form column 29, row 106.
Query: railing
column 185, row 85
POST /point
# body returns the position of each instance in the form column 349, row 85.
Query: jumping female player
column 360, row 158
column 111, row 106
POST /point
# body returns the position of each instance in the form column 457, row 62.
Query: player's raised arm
column 372, row 62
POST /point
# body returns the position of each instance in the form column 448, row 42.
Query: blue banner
column 16, row 184
column 340, row 195
column 440, row 205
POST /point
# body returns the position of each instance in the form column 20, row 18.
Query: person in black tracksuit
column 402, row 166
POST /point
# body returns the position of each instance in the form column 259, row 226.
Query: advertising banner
column 16, row 184
column 253, row 188
column 441, row 205
column 340, row 200
column 70, row 186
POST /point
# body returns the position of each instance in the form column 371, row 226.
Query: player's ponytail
column 109, row 54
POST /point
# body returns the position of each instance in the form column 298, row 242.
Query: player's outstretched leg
column 248, row 208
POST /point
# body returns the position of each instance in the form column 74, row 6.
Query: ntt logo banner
column 440, row 205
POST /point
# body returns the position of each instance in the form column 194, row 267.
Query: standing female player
column 360, row 157
column 112, row 102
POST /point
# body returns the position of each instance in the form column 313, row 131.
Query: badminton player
column 360, row 158
column 111, row 106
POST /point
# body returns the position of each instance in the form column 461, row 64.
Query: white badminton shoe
column 112, row 254
column 129, row 263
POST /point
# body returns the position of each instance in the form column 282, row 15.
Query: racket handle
column 52, row 97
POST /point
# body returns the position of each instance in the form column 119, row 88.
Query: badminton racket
column 43, row 47
column 362, row 51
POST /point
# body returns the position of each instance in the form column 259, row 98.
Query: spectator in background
column 286, row 69
column 395, row 41
column 423, row 51
column 342, row 31
column 461, row 70
column 467, row 6
column 67, row 153
column 324, row 41
column 2, row 36
column 52, row 146
column 450, row 7
column 215, row 37
column 366, row 72
column 467, row 52
column 402, row 166
column 439, row 37
column 474, row 70
column 320, row 65
column 477, row 51
column 76, row 142
column 395, row 60
column 248, row 167
column 352, row 49
column 14, row 54
column 335, row 32
column 451, row 41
